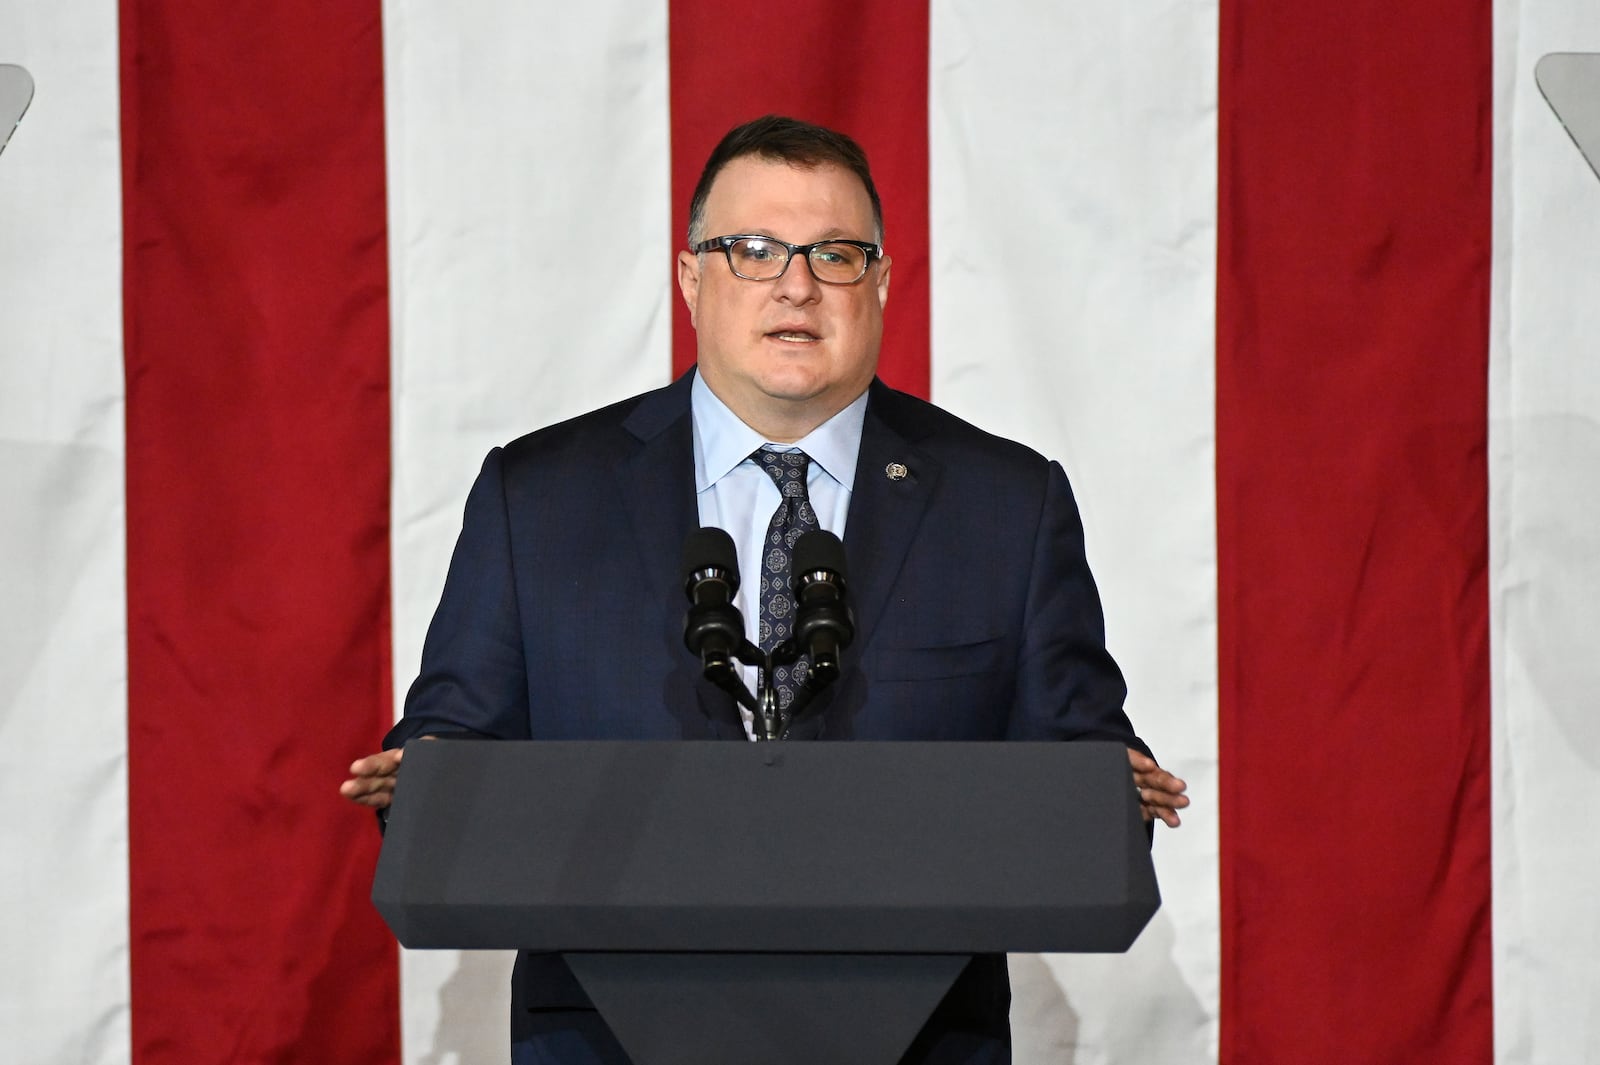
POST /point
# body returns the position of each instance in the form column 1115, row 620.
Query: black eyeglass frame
column 874, row 252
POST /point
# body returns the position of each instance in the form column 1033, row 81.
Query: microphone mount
column 714, row 627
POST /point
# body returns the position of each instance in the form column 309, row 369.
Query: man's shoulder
column 605, row 434
column 948, row 436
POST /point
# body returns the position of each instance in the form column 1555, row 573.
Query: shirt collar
column 722, row 441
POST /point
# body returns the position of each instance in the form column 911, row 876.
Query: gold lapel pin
column 895, row 471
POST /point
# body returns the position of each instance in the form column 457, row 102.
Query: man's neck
column 723, row 440
column 784, row 427
column 783, row 421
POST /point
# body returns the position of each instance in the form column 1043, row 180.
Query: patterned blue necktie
column 793, row 518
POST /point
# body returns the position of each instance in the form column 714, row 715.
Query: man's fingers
column 358, row 787
column 372, row 779
column 1164, row 783
column 1161, row 795
column 378, row 800
column 1156, row 777
column 366, row 785
column 384, row 763
column 1158, row 804
column 1162, row 801
column 1173, row 800
column 1141, row 762
column 1169, row 817
column 369, row 790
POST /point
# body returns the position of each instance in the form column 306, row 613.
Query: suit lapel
column 657, row 486
column 887, row 507
column 656, row 481
column 895, row 482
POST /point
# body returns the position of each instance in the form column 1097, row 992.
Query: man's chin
column 791, row 391
column 796, row 393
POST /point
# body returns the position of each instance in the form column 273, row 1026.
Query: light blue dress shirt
column 735, row 494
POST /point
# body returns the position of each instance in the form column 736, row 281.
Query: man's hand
column 1160, row 793
column 372, row 779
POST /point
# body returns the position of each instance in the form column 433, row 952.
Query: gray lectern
column 1570, row 82
column 766, row 903
column 16, row 91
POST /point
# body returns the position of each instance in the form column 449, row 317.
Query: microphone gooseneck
column 713, row 628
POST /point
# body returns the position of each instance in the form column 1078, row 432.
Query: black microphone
column 822, row 622
column 713, row 628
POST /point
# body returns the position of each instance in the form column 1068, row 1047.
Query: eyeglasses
column 833, row 262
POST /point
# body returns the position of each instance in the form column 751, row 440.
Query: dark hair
column 788, row 140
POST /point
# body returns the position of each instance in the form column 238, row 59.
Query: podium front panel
column 781, row 847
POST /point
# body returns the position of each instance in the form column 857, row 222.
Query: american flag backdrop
column 1303, row 296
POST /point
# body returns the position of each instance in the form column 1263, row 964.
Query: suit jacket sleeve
column 1068, row 686
column 474, row 674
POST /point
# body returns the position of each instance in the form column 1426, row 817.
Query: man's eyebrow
column 836, row 233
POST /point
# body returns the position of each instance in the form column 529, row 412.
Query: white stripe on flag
column 63, row 627
column 526, row 144
column 1073, row 240
column 1091, row 159
column 1545, row 552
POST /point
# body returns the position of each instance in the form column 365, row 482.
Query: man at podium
column 976, row 615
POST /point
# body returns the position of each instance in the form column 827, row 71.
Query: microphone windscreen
column 710, row 548
column 819, row 550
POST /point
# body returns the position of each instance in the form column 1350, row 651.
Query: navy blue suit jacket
column 562, row 615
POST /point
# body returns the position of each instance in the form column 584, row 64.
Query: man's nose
column 798, row 284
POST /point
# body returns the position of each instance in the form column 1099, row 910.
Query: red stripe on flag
column 1353, row 281
column 257, row 483
column 859, row 68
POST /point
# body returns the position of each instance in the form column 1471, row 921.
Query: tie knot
column 787, row 469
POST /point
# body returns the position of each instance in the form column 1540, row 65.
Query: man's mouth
column 794, row 336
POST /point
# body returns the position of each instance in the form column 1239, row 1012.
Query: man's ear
column 883, row 280
column 689, row 281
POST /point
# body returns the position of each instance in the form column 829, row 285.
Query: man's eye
column 758, row 251
column 845, row 257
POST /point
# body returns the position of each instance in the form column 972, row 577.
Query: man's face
column 785, row 355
